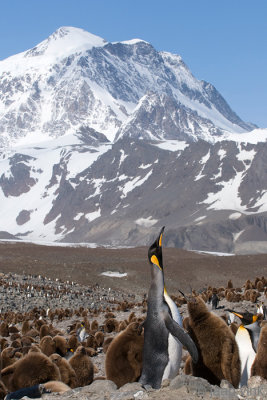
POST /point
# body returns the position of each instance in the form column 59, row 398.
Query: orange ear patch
column 155, row 261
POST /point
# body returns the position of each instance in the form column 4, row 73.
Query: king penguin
column 163, row 336
column 247, row 338
column 246, row 354
column 246, row 317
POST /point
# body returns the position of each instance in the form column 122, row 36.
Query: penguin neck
column 157, row 284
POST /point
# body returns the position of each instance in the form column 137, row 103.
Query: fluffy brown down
column 61, row 345
column 123, row 362
column 218, row 351
column 106, row 343
column 28, row 371
column 259, row 366
column 68, row 375
column 47, row 345
column 83, row 367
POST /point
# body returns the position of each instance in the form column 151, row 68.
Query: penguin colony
column 59, row 347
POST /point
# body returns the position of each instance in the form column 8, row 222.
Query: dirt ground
column 183, row 269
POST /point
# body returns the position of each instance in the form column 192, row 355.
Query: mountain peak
column 66, row 40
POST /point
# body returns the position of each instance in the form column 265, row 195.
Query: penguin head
column 246, row 317
column 155, row 251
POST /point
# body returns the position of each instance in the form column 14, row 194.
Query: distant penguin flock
column 149, row 343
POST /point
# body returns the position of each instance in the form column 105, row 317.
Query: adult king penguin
column 163, row 336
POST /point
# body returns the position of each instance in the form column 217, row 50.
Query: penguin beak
column 184, row 296
column 160, row 237
column 155, row 251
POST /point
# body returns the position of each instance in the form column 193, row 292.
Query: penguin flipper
column 254, row 331
column 183, row 337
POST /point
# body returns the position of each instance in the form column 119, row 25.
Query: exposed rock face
column 20, row 181
column 210, row 196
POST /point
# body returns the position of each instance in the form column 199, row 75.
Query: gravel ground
column 58, row 278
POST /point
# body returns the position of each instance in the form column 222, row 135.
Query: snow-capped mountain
column 74, row 80
column 106, row 142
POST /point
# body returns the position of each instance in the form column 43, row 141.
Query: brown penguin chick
column 111, row 325
column 259, row 287
column 28, row 371
column 47, row 345
column 44, row 331
column 13, row 329
column 51, row 315
column 229, row 296
column 67, row 373
column 38, row 323
column 16, row 344
column 248, row 285
column 91, row 342
column 229, row 284
column 15, row 336
column 86, row 324
column 73, row 342
column 57, row 386
column 27, row 341
column 26, row 326
column 94, row 325
column 259, row 366
column 82, row 366
column 123, row 362
column 33, row 333
column 61, row 345
column 218, row 350
column 132, row 317
column 106, row 344
column 99, row 337
column 247, row 295
column 122, row 326
column 8, row 357
column 110, row 315
column 253, row 296
column 4, row 331
column 3, row 344
column 90, row 352
column 35, row 348
column 84, row 313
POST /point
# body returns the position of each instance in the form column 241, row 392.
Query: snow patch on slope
column 146, row 222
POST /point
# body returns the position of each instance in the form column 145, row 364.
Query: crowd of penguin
column 48, row 348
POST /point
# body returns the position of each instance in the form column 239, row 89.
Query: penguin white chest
column 174, row 346
column 246, row 354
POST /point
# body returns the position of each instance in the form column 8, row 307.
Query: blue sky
column 222, row 42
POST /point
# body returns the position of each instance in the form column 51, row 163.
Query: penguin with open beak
column 161, row 328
